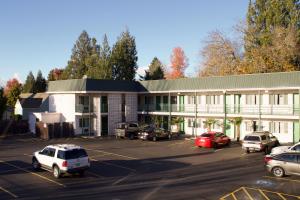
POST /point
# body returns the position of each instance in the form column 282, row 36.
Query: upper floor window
column 278, row 99
column 149, row 99
column 84, row 100
column 252, row 99
column 199, row 99
column 173, row 99
column 213, row 99
column 279, row 127
column 191, row 99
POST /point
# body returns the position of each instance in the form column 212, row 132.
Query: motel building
column 266, row 102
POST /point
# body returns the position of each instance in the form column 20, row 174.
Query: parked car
column 259, row 141
column 212, row 139
column 61, row 159
column 127, row 130
column 283, row 164
column 283, row 149
column 154, row 133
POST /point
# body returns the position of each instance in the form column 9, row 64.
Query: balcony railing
column 219, row 109
column 81, row 108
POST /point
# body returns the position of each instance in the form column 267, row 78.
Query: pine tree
column 124, row 57
column 81, row 51
column 155, row 71
column 40, row 83
column 29, row 86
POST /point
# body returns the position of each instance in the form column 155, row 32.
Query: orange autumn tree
column 179, row 63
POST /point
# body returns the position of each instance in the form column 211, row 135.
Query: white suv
column 61, row 158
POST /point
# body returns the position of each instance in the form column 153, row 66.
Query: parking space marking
column 8, row 192
column 94, row 174
column 33, row 173
column 115, row 165
column 115, row 154
column 122, row 179
column 286, row 179
column 262, row 192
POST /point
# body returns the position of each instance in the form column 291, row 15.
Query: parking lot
column 134, row 169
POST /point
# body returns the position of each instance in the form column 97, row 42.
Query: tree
column 124, row 57
column 29, row 86
column 2, row 102
column 55, row 74
column 221, row 56
column 81, row 51
column 40, row 83
column 264, row 16
column 237, row 121
column 179, row 63
column 99, row 63
column 209, row 123
column 155, row 71
column 12, row 91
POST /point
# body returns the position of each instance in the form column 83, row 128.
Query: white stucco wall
column 64, row 104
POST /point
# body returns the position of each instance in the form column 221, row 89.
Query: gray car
column 283, row 164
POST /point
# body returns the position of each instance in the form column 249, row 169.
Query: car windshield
column 206, row 135
column 252, row 138
column 74, row 153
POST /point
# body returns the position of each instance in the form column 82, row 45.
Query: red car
column 212, row 139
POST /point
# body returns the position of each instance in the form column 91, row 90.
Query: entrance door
column 104, row 125
column 158, row 103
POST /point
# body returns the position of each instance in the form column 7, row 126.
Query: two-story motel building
column 267, row 102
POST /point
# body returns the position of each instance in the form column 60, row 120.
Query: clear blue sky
column 37, row 34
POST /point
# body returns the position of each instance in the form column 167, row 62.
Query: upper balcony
column 219, row 109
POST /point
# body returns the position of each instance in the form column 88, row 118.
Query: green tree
column 40, row 83
column 81, row 51
column 2, row 102
column 124, row 57
column 237, row 121
column 29, row 86
column 264, row 16
column 155, row 71
column 209, row 122
column 99, row 63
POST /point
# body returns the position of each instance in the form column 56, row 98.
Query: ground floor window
column 279, row 127
column 84, row 122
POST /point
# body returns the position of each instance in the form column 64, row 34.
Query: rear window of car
column 71, row 154
column 252, row 138
column 206, row 135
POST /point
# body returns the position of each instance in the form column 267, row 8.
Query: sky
column 40, row 34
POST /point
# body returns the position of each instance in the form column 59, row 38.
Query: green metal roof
column 267, row 80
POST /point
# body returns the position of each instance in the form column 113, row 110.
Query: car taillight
column 267, row 159
column 64, row 164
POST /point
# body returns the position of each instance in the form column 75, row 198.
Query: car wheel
column 56, row 172
column 154, row 139
column 35, row 164
column 247, row 150
column 215, row 145
column 278, row 171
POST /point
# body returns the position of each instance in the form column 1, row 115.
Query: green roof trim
column 265, row 80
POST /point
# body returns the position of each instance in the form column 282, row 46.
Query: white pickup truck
column 259, row 141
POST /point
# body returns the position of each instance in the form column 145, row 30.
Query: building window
column 198, row 123
column 191, row 99
column 173, row 99
column 279, row 127
column 278, row 99
column 84, row 100
column 149, row 100
column 198, row 99
column 252, row 99
column 249, row 126
column 213, row 99
column 84, row 122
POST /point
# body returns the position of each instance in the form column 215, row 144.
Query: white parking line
column 33, row 173
column 122, row 179
column 8, row 192
column 115, row 154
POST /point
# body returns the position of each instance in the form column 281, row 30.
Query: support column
column 225, row 112
column 169, row 109
column 259, row 110
column 195, row 120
